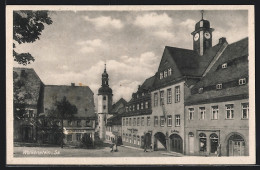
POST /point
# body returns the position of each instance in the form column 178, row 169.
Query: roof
column 236, row 57
column 148, row 83
column 31, row 87
column 80, row 96
column 114, row 120
column 119, row 106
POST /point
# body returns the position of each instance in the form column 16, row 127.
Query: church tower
column 104, row 104
column 202, row 36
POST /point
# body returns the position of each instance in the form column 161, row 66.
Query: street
column 77, row 152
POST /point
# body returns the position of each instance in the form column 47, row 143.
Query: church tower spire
column 105, row 100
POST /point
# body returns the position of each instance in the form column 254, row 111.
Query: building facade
column 137, row 120
column 28, row 90
column 114, row 123
column 217, row 111
column 81, row 125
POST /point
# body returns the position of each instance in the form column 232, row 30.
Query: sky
column 76, row 46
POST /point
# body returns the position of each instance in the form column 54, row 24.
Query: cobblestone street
column 76, row 152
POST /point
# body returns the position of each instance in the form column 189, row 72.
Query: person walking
column 116, row 143
column 112, row 145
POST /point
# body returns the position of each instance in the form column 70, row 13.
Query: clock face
column 207, row 35
column 196, row 36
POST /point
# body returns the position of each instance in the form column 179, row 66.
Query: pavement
column 123, row 151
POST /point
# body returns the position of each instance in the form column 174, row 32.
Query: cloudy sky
column 75, row 47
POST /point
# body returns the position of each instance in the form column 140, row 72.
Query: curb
column 140, row 149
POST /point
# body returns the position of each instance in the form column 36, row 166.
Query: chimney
column 72, row 84
column 222, row 40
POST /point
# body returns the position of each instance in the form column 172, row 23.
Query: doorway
column 176, row 143
column 236, row 145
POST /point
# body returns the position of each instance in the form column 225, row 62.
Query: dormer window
column 142, row 105
column 219, row 86
column 133, row 107
column 137, row 96
column 126, row 109
column 201, row 90
column 137, row 107
column 169, row 71
column 130, row 108
column 224, row 65
column 242, row 81
column 161, row 75
column 165, row 73
column 143, row 94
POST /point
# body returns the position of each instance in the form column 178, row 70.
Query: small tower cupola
column 202, row 36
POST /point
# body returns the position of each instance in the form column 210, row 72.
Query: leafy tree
column 27, row 27
column 62, row 110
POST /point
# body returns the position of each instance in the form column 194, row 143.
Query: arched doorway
column 213, row 143
column 191, row 143
column 159, row 141
column 203, row 142
column 236, row 145
column 176, row 143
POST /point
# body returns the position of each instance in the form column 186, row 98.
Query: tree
column 62, row 110
column 27, row 27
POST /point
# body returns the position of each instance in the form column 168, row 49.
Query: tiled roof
column 118, row 107
column 148, row 83
column 236, row 57
column 81, row 96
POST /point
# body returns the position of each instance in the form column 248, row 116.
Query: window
column 143, row 94
column 177, row 94
column 155, row 99
column 202, row 112
column 126, row 108
column 138, row 121
column 169, row 96
column 162, row 120
column 123, row 122
column 142, row 105
column 230, row 111
column 104, row 107
column 224, row 65
column 200, row 90
column 78, row 136
column 219, row 86
column 169, row 120
column 177, row 120
column 165, row 73
column 134, row 122
column 142, row 121
column 137, row 107
column 169, row 71
column 155, row 121
column 130, row 138
column 130, row 108
column 130, row 122
column 70, row 123
column 78, row 123
column 88, row 123
column 104, row 97
column 146, row 105
column 191, row 113
column 69, row 138
column 161, row 97
column 148, row 121
column 134, row 138
column 137, row 96
column 245, row 110
column 138, row 140
column 133, row 107
column 214, row 112
column 242, row 81
column 126, row 122
column 203, row 142
column 161, row 75
column 31, row 113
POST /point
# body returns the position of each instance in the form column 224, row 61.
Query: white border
column 128, row 160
